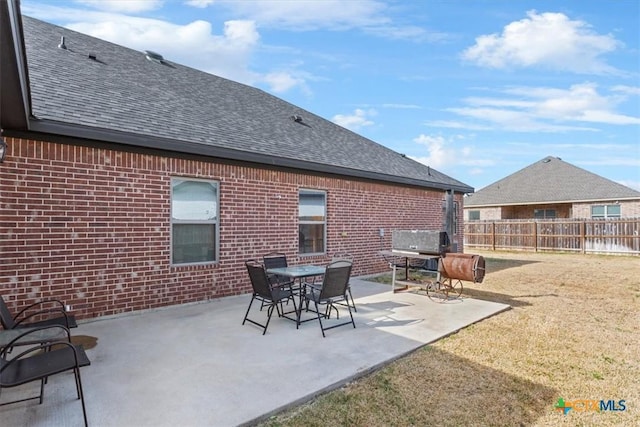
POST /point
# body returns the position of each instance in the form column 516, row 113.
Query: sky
column 475, row 89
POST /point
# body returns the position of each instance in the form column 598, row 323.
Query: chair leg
column 351, row 315
column 353, row 303
column 249, row 308
column 319, row 320
column 81, row 396
column 42, row 390
column 269, row 313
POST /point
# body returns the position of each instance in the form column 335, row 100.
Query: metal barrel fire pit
column 458, row 266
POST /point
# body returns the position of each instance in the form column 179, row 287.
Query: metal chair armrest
column 39, row 303
column 39, row 312
column 30, row 331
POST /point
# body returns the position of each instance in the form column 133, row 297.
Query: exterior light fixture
column 3, row 149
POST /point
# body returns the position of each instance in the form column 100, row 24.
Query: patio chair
column 57, row 315
column 38, row 362
column 346, row 257
column 270, row 295
column 275, row 260
column 332, row 291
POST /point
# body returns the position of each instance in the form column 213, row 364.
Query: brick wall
column 91, row 226
column 628, row 209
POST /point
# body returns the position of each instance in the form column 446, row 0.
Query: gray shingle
column 122, row 91
column 549, row 180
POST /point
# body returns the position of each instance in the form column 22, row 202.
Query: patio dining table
column 298, row 272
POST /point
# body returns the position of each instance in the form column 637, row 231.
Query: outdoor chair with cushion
column 270, row 295
column 332, row 291
column 53, row 309
column 40, row 361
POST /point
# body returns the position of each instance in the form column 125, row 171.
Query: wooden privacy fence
column 608, row 236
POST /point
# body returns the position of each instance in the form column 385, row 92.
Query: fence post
column 535, row 236
column 583, row 239
column 493, row 236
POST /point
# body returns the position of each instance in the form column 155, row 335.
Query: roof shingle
column 121, row 92
column 549, row 180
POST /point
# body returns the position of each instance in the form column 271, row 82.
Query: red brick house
column 131, row 182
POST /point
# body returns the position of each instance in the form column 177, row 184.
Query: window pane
column 311, row 238
column 193, row 243
column 613, row 210
column 597, row 211
column 473, row 215
column 194, row 200
column 312, row 207
column 550, row 213
column 538, row 213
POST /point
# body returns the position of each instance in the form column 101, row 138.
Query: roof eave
column 172, row 145
column 15, row 104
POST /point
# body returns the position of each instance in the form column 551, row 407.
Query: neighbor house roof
column 549, row 180
column 97, row 90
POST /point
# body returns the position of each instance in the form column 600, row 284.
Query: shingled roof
column 550, row 180
column 101, row 91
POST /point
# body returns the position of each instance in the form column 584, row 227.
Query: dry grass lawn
column 573, row 332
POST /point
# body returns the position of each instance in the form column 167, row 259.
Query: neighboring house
column 552, row 188
column 133, row 182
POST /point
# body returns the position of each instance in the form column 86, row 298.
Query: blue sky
column 476, row 89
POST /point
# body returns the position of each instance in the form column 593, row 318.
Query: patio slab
column 196, row 365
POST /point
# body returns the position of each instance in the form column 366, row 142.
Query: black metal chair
column 332, row 291
column 270, row 295
column 54, row 310
column 40, row 361
column 346, row 257
column 276, row 260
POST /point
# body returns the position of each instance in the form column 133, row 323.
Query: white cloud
column 355, row 121
column 283, row 81
column 124, row 6
column 543, row 109
column 411, row 33
column 546, row 40
column 369, row 16
column 630, row 90
column 307, row 15
column 445, row 155
column 199, row 3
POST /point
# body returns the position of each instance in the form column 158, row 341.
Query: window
column 544, row 213
column 474, row 215
column 194, row 221
column 605, row 211
column 312, row 221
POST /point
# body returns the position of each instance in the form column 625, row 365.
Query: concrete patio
column 196, row 365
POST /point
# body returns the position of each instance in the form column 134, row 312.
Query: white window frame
column 215, row 222
column 302, row 191
column 606, row 213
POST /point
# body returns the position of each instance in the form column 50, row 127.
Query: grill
column 422, row 242
column 432, row 251
column 419, row 249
